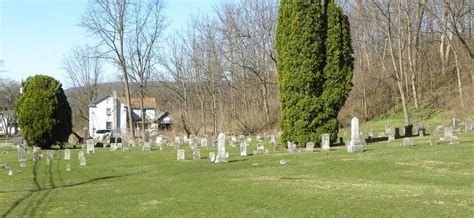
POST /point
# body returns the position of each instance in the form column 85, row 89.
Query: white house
column 110, row 112
column 5, row 126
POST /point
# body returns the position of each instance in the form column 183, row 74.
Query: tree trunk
column 458, row 75
column 404, row 104
column 129, row 103
column 142, row 110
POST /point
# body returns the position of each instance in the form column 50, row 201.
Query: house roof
column 94, row 103
column 148, row 102
column 161, row 116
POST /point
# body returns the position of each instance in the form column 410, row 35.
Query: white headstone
column 309, row 146
column 159, row 140
column 180, row 154
column 212, row 157
column 448, row 134
column 22, row 156
column 433, row 141
column 221, row 156
column 468, row 125
column 407, row 142
column 260, row 148
column 356, row 144
column 203, row 142
column 146, row 147
column 36, row 154
column 67, row 154
column 243, row 149
column 325, row 142
column 90, row 146
column 177, row 140
column 80, row 155
column 82, row 161
column 68, row 167
column 50, row 156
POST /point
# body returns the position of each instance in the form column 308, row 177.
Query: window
column 109, row 111
column 108, row 125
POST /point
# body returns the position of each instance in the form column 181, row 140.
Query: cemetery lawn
column 385, row 180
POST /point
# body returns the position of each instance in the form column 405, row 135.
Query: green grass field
column 385, row 180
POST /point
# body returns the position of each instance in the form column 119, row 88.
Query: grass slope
column 385, row 180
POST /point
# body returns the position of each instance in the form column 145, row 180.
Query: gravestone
column 126, row 146
column 325, row 142
column 50, row 155
column 356, row 144
column 36, row 154
column 258, row 138
column 309, row 147
column 421, row 133
column 433, row 141
column 438, row 129
column 448, row 134
column 276, row 147
column 203, row 142
column 180, row 154
column 196, row 154
column 22, row 156
column 260, row 148
column 212, row 157
column 408, row 131
column 468, row 125
column 422, row 130
column 272, row 140
column 18, row 140
column 391, row 138
column 397, row 133
column 68, row 167
column 407, row 142
column 221, row 154
column 249, row 139
column 146, row 147
column 243, row 149
column 80, row 155
column 82, row 158
column 67, row 154
column 177, row 140
column 159, row 140
column 233, row 144
column 90, row 146
column 454, row 124
column 292, row 148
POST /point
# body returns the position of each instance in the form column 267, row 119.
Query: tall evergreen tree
column 315, row 68
column 44, row 114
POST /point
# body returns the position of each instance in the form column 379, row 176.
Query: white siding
column 98, row 115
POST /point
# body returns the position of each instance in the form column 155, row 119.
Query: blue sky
column 36, row 34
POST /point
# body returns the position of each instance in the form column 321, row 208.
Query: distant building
column 6, row 124
column 109, row 112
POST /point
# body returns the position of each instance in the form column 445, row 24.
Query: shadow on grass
column 48, row 190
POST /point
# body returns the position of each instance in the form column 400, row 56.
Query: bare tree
column 83, row 67
column 148, row 24
column 9, row 93
column 110, row 21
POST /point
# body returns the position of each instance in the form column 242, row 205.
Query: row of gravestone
column 37, row 155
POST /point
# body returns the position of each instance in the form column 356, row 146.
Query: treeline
column 219, row 71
